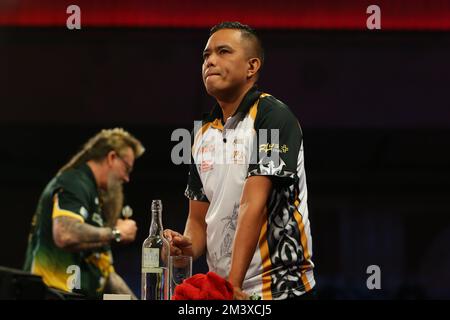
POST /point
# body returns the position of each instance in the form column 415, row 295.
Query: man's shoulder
column 70, row 176
column 274, row 109
column 74, row 179
column 269, row 101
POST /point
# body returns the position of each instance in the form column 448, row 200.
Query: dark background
column 375, row 113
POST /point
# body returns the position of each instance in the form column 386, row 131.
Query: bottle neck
column 156, row 227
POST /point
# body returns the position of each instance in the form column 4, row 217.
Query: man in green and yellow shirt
column 77, row 218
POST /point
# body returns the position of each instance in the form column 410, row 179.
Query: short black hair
column 246, row 32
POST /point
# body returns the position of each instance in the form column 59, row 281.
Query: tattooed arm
column 72, row 235
column 116, row 284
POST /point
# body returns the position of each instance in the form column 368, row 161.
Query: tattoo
column 73, row 235
column 116, row 284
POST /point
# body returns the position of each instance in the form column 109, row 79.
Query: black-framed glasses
column 128, row 167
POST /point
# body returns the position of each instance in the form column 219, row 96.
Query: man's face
column 225, row 62
column 118, row 173
column 121, row 167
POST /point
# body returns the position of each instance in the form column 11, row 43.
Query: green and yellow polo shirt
column 74, row 194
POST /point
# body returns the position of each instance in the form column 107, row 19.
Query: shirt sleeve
column 194, row 189
column 70, row 199
column 278, row 142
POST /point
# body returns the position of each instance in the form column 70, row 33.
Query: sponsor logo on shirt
column 206, row 165
column 83, row 212
column 274, row 147
column 97, row 219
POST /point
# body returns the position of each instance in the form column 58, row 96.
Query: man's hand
column 127, row 230
column 179, row 244
column 117, row 285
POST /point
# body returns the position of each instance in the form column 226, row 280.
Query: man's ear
column 254, row 64
column 110, row 157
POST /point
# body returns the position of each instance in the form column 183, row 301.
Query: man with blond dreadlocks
column 77, row 218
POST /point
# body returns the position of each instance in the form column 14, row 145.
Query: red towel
column 201, row 286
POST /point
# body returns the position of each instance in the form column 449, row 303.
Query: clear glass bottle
column 155, row 259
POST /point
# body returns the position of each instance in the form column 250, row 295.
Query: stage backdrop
column 292, row 14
